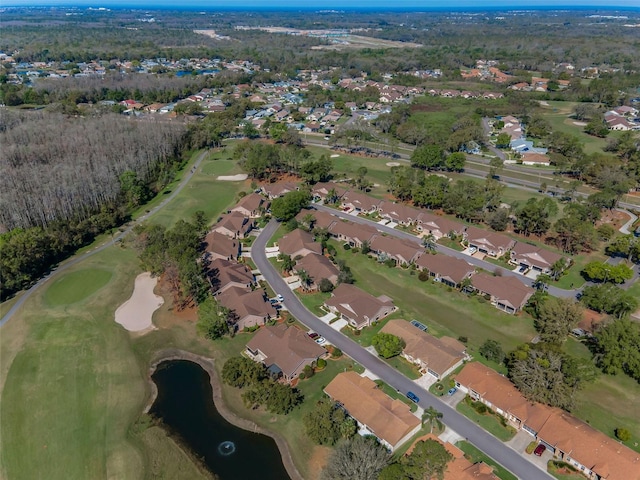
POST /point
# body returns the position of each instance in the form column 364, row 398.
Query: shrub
column 346, row 246
column 308, row 371
column 531, row 447
column 463, row 339
column 423, row 276
column 336, row 352
column 301, row 376
column 623, row 434
column 322, row 363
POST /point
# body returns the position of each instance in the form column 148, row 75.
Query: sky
column 335, row 4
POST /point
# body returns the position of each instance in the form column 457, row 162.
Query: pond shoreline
column 207, row 364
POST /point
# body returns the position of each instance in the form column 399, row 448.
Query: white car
column 280, row 298
column 321, row 341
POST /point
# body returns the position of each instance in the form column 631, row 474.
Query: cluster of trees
column 174, row 253
column 604, row 272
column 626, row 246
column 359, row 458
column 433, row 157
column 610, row 299
column 259, row 389
column 427, row 460
column 215, row 321
column 328, row 423
column 616, row 347
column 286, row 207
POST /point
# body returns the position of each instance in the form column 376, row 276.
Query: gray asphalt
column 503, row 454
column 557, row 292
column 116, row 238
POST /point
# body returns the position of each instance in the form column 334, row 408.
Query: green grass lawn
column 314, row 301
column 572, row 277
column 390, row 391
column 76, row 286
column 489, row 422
column 409, row 370
column 474, row 455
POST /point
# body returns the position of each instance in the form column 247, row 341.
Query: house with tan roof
column 571, row 440
column 359, row 202
column 404, row 252
column 319, row 219
column 234, row 225
column 251, row 307
column 359, row 308
column 252, row 205
column 399, row 213
column 318, row 267
column 278, row 189
column 351, row 233
column 437, row 357
column 223, row 274
column 506, row 293
column 321, row 190
column 299, row 243
column 284, row 350
column 438, row 226
column 489, row 243
column 533, row 257
column 376, row 413
column 449, row 270
column 535, row 159
column 221, row 246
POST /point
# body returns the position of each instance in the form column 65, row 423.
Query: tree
column 491, row 350
column 623, row 434
column 289, row 205
column 387, row 345
column 428, row 459
column 533, row 216
column 428, row 157
column 603, row 272
column 625, row 246
column 432, row 417
column 610, row 299
column 328, row 423
column 210, row 324
column 359, row 458
column 616, row 348
column 287, row 262
column 325, row 285
column 277, row 131
column 503, row 140
column 455, row 162
column 556, row 318
column 498, row 219
column 241, row 371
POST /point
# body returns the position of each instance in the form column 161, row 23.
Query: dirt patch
column 590, row 319
column 613, row 217
column 317, row 461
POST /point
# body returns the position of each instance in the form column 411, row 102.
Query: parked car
column 313, row 335
column 280, row 298
column 452, row 391
column 539, row 450
column 472, row 250
column 522, row 269
column 321, row 340
column 413, row 397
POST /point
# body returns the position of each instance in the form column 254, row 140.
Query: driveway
column 490, row 445
column 520, row 442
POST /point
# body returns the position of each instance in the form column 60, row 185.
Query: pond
column 185, row 405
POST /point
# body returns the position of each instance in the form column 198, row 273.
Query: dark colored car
column 539, row 450
column 413, row 397
column 314, row 335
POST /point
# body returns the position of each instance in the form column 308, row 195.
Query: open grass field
column 475, row 455
column 76, row 286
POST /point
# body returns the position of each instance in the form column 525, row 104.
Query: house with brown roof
column 251, row 307
column 533, row 257
column 359, row 308
column 588, row 450
column 278, row 189
column 221, row 246
column 533, row 158
column 359, row 202
column 318, row 218
column 399, row 213
column 449, row 270
column 252, row 205
column 490, row 243
column 284, row 350
column 223, row 274
column 506, row 293
column 321, row 190
column 438, row 226
column 234, row 225
column 376, row 413
column 299, row 243
column 402, row 251
column 318, row 267
column 437, row 357
column 351, row 233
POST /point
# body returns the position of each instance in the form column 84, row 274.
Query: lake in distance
column 185, row 405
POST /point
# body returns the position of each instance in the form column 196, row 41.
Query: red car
column 539, row 450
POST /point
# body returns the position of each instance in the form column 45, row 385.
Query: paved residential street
column 500, row 452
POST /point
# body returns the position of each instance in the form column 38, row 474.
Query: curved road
column 77, row 259
column 555, row 291
column 503, row 454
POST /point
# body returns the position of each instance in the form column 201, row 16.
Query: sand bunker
column 580, row 124
column 335, row 155
column 135, row 314
column 393, row 164
column 233, row 178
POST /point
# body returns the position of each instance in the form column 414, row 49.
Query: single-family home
column 404, row 252
column 251, row 307
column 284, row 350
column 223, row 274
column 399, row 213
column 278, row 189
column 506, row 293
column 234, row 225
column 437, row 357
column 438, row 226
column 299, row 243
column 376, row 413
column 359, row 202
column 533, row 257
column 318, row 267
column 320, row 191
column 489, row 243
column 534, row 159
column 352, row 233
column 219, row 245
column 359, row 308
column 313, row 219
column 449, row 270
column 252, row 205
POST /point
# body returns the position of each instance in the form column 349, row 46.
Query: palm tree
column 432, row 417
column 305, row 279
column 429, row 242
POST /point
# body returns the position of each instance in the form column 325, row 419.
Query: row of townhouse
column 571, row 440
